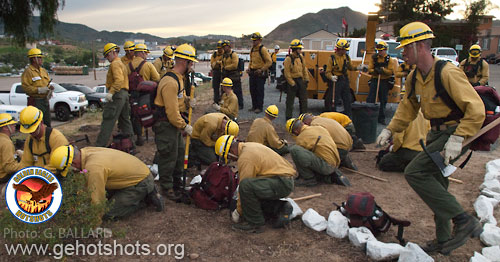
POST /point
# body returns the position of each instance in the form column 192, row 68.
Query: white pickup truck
column 63, row 102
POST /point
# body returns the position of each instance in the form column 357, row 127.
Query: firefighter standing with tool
column 117, row 107
column 476, row 69
column 128, row 47
column 448, row 131
column 8, row 163
column 262, row 131
column 36, row 84
column 216, row 65
column 230, row 70
column 260, row 61
column 165, row 62
column 297, row 78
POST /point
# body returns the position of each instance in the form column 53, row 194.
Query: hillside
column 312, row 22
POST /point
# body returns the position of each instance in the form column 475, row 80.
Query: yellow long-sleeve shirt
column 404, row 69
column 214, row 60
column 148, row 70
column 32, row 79
column 409, row 138
column 162, row 65
column 110, row 169
column 338, row 133
column 388, row 70
column 263, row 132
column 208, row 128
column 38, row 156
column 230, row 61
column 260, row 61
column 8, row 165
column 460, row 90
column 273, row 57
column 125, row 60
column 229, row 105
column 336, row 66
column 342, row 119
column 117, row 77
column 482, row 74
column 326, row 148
column 169, row 97
column 295, row 70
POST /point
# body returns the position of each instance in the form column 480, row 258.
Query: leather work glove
column 188, row 129
column 235, row 216
column 362, row 67
column 383, row 138
column 43, row 90
column 334, row 78
column 109, row 97
column 379, row 70
column 216, row 106
column 191, row 103
column 452, row 148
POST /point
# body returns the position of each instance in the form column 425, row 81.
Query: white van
column 357, row 48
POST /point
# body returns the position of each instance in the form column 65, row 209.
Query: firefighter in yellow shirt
column 126, row 178
column 42, row 140
column 216, row 65
column 8, row 163
column 165, row 62
column 260, row 61
column 129, row 47
column 35, row 82
column 476, row 69
column 297, row 78
column 230, row 70
column 263, row 132
column 229, row 104
column 265, row 177
column 315, row 155
column 272, row 69
column 346, row 122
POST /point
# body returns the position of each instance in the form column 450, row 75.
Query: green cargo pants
column 300, row 90
column 428, row 182
column 261, row 195
column 350, row 129
column 170, row 147
column 116, row 110
column 127, row 200
column 44, row 106
column 199, row 153
column 311, row 166
column 397, row 161
column 281, row 151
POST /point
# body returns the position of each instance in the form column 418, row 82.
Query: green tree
column 16, row 16
column 416, row 10
column 358, row 32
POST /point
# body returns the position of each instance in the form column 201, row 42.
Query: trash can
column 364, row 118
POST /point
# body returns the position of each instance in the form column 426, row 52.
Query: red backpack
column 123, row 143
column 134, row 78
column 216, row 189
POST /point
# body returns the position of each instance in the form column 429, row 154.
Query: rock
column 413, row 253
column 491, row 194
column 493, row 166
column 490, row 235
column 297, row 211
column 313, row 220
column 491, row 176
column 338, row 225
column 484, row 210
column 493, row 185
column 360, row 235
column 492, row 253
column 194, row 256
column 196, row 180
column 380, row 251
column 478, row 258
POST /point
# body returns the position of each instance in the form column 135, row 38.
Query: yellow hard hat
column 272, row 110
column 6, row 119
column 413, row 32
column 256, row 36
column 141, row 48
column 342, row 44
column 168, row 52
column 186, row 51
column 226, row 43
column 129, row 46
column 35, row 52
column 381, row 45
column 30, row 118
column 219, row 44
column 227, row 82
column 475, row 51
column 231, row 128
column 222, row 146
column 289, row 124
column 61, row 158
column 110, row 47
column 296, row 43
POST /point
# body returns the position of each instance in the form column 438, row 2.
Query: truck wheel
column 93, row 107
column 62, row 113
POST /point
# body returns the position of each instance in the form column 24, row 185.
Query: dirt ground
column 208, row 235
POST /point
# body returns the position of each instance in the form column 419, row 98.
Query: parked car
column 63, row 102
column 447, row 53
column 492, row 59
column 101, row 89
column 14, row 111
column 96, row 100
column 203, row 77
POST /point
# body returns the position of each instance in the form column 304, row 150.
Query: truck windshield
column 58, row 88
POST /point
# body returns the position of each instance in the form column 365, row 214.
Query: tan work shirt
column 208, row 128
column 125, row 60
column 336, row 66
column 326, row 148
column 163, row 65
column 32, row 79
column 388, row 70
column 263, row 132
column 342, row 119
column 482, row 74
column 296, row 70
column 460, row 90
column 338, row 133
column 229, row 105
column 230, row 61
column 215, row 58
column 410, row 138
column 260, row 61
column 148, row 70
column 110, row 169
column 39, row 156
column 8, row 165
column 169, row 97
column 117, row 77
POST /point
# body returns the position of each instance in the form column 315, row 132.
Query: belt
column 442, row 127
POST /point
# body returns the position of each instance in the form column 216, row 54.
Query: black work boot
column 433, row 246
column 348, row 163
column 305, row 182
column 339, row 178
column 466, row 226
column 139, row 141
column 154, row 198
column 357, row 143
column 284, row 216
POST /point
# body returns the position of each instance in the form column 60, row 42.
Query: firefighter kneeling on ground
column 265, row 178
column 124, row 178
column 346, row 122
column 229, row 103
column 8, row 163
column 262, row 131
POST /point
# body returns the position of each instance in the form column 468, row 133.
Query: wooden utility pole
column 93, row 59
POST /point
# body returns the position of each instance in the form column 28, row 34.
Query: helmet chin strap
column 415, row 54
column 10, row 130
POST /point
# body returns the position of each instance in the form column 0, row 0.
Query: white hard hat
column 276, row 47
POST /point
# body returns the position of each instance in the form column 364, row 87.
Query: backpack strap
column 260, row 52
column 174, row 76
column 48, row 131
column 401, row 227
column 441, row 92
